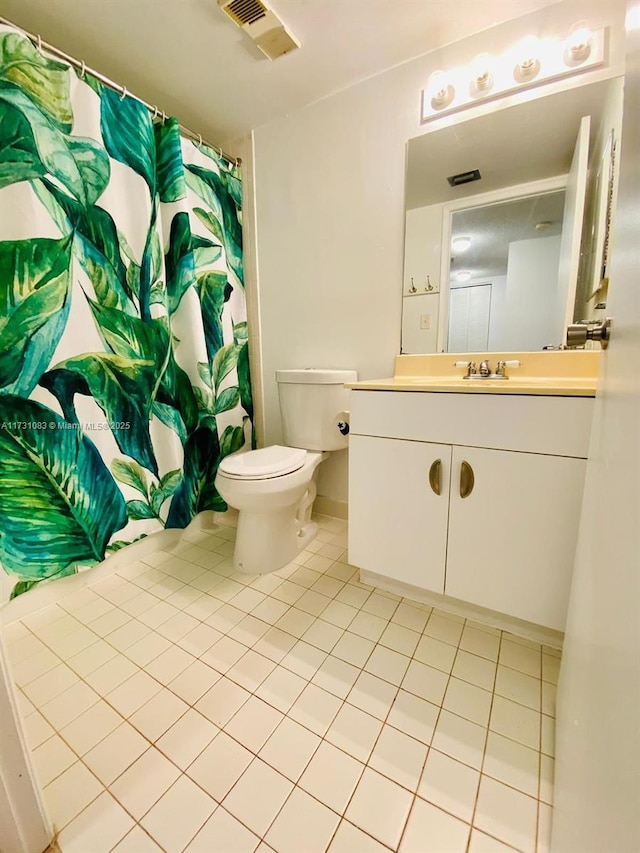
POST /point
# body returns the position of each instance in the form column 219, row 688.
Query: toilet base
column 267, row 541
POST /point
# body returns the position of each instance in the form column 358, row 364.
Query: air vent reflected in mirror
column 464, row 178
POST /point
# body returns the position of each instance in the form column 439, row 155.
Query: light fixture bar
column 542, row 61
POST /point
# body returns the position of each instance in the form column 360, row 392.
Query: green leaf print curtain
column 124, row 372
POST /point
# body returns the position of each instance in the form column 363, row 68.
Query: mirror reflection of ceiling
column 493, row 227
column 510, row 146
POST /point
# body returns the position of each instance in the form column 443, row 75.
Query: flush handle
column 467, row 480
column 435, row 477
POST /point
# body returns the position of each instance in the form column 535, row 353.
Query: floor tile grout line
column 537, row 832
column 435, row 728
column 484, row 753
column 506, row 784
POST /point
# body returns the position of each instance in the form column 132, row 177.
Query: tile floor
column 176, row 705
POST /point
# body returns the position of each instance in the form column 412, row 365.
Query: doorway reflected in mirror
column 503, row 274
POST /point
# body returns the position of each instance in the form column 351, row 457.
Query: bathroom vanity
column 472, row 490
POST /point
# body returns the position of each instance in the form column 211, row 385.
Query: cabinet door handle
column 467, row 480
column 435, row 476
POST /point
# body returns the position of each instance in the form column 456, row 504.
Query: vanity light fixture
column 461, row 244
column 463, row 275
column 533, row 61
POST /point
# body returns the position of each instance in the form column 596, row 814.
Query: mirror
column 507, row 261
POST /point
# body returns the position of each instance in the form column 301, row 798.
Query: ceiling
column 493, row 228
column 187, row 57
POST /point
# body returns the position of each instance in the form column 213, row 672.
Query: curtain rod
column 40, row 43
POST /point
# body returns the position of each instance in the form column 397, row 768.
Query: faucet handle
column 470, row 365
column 502, row 365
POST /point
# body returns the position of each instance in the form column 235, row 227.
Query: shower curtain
column 124, row 373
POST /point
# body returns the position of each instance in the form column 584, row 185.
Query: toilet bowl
column 274, row 488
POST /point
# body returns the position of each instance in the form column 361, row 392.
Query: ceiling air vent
column 245, row 11
column 262, row 25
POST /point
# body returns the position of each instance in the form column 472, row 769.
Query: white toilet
column 274, row 488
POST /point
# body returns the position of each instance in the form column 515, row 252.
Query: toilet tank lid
column 317, row 376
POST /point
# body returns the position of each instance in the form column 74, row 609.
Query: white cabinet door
column 512, row 540
column 397, row 523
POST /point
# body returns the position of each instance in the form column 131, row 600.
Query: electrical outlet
column 425, row 321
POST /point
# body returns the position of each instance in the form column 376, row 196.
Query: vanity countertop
column 564, row 387
column 562, row 373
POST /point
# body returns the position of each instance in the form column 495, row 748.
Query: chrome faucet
column 485, row 370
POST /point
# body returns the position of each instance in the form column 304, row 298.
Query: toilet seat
column 263, row 464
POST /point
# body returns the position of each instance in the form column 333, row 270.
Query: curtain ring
column 39, row 42
column 124, row 93
column 200, row 140
column 83, row 70
column 155, row 113
column 164, row 116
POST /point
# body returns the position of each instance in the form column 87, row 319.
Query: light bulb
column 440, row 90
column 463, row 275
column 481, row 75
column 526, row 58
column 632, row 20
column 460, row 244
column 578, row 44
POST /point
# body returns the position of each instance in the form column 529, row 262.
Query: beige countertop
column 555, row 373
column 549, row 386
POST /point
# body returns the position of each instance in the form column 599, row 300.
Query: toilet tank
column 312, row 401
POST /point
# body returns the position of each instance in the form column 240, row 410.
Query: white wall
column 597, row 778
column 330, row 211
column 530, row 313
column 416, row 338
column 423, row 247
column 422, row 251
